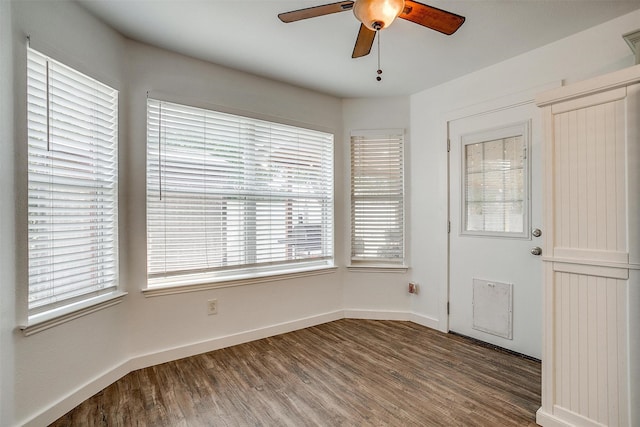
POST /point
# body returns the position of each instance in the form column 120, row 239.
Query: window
column 496, row 182
column 72, row 123
column 231, row 197
column 377, row 197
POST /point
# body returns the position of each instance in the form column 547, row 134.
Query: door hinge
column 448, row 145
column 448, row 226
column 448, row 308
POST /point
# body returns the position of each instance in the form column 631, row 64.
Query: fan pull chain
column 378, row 78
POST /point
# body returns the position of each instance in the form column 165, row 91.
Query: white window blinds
column 230, row 195
column 495, row 185
column 72, row 125
column 377, row 197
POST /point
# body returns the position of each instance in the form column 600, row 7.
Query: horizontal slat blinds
column 495, row 185
column 227, row 193
column 377, row 197
column 72, row 155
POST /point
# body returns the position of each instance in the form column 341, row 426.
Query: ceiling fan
column 376, row 15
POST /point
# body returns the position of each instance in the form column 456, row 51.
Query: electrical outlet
column 413, row 288
column 212, row 307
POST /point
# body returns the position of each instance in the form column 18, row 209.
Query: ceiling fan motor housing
column 377, row 14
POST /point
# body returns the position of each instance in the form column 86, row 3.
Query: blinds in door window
column 377, row 197
column 495, row 185
column 72, row 173
column 229, row 194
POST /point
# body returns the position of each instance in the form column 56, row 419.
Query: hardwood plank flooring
column 344, row 373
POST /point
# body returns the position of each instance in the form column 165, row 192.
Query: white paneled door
column 591, row 346
column 495, row 243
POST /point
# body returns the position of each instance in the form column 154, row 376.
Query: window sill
column 378, row 268
column 44, row 321
column 240, row 281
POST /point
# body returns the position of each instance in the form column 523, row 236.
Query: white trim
column 595, row 256
column 426, row 321
column 549, row 420
column 377, row 315
column 378, row 268
column 571, row 418
column 591, row 263
column 49, row 319
column 589, row 101
column 180, row 289
column 591, row 270
column 624, row 77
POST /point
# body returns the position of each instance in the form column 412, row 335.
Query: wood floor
column 343, row 373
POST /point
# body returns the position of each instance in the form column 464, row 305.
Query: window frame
column 61, row 310
column 247, row 273
column 502, row 132
column 378, row 264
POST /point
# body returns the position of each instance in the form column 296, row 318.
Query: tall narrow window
column 230, row 196
column 72, row 125
column 377, row 197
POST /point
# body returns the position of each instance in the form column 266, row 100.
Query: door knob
column 537, row 251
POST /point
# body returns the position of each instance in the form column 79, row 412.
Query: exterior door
column 495, row 271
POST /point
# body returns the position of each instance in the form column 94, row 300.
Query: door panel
column 494, row 279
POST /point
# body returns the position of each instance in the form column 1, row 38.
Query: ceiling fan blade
column 312, row 12
column 363, row 42
column 431, row 17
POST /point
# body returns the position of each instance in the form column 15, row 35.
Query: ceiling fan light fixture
column 377, row 14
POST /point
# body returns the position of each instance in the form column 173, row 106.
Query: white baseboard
column 546, row 419
column 377, row 315
column 70, row 401
column 429, row 322
column 563, row 417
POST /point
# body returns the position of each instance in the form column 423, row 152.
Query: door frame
column 488, row 107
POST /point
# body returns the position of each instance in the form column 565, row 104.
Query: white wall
column 48, row 373
column 370, row 293
column 7, row 239
column 593, row 52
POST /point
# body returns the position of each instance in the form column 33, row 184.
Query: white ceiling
column 316, row 53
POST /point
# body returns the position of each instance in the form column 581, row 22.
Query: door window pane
column 495, row 185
